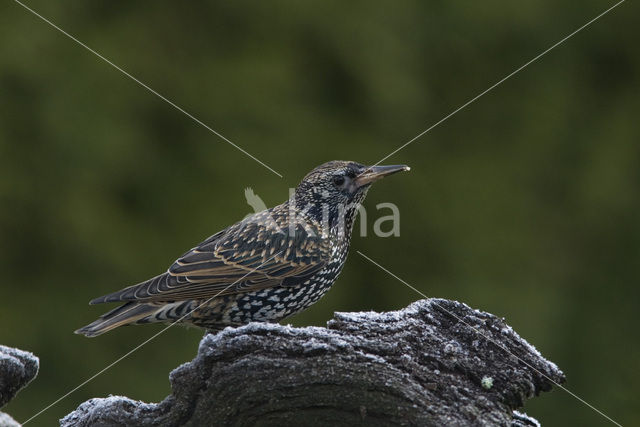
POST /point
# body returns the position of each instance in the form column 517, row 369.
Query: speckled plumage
column 269, row 266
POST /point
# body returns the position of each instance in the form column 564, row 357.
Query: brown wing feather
column 254, row 254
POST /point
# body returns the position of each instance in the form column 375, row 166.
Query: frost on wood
column 423, row 365
column 17, row 369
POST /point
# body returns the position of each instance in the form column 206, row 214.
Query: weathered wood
column 17, row 369
column 417, row 366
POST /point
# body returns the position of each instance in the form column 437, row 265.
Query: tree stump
column 17, row 369
column 436, row 362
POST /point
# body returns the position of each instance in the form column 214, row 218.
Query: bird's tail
column 131, row 312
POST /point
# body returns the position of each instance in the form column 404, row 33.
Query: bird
column 265, row 268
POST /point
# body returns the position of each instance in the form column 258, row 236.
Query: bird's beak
column 374, row 173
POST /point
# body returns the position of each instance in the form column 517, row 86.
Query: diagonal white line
column 508, row 76
column 133, row 350
column 490, row 339
column 177, row 107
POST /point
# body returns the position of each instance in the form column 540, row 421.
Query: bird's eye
column 338, row 180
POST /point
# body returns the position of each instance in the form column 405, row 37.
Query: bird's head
column 339, row 186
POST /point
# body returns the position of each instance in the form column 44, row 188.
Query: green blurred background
column 525, row 204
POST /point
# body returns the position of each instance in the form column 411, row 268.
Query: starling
column 269, row 266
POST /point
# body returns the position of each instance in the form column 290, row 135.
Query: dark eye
column 338, row 180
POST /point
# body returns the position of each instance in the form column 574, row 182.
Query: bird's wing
column 254, row 254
